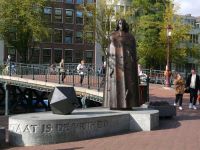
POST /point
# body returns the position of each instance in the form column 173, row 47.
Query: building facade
column 66, row 21
column 194, row 42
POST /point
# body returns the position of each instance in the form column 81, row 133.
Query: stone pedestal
column 48, row 128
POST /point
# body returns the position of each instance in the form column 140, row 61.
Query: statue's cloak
column 121, row 86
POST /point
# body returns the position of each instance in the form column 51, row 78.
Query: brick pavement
column 177, row 133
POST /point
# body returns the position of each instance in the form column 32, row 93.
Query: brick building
column 66, row 22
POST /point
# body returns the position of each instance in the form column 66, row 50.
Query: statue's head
column 122, row 25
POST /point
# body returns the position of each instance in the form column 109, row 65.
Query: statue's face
column 120, row 25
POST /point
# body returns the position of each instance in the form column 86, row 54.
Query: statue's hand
column 111, row 73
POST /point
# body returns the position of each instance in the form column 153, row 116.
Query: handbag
column 187, row 90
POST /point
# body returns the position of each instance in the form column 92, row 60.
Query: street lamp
column 167, row 72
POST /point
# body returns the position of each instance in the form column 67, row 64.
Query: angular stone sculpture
column 63, row 100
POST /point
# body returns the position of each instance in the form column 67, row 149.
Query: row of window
column 48, row 56
column 70, row 56
column 69, row 16
column 70, row 37
column 74, row 1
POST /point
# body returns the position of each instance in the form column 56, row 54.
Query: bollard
column 2, row 136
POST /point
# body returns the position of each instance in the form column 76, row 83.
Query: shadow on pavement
column 168, row 123
column 74, row 148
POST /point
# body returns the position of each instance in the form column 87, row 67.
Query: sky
column 188, row 7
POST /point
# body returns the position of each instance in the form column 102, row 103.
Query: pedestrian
column 198, row 98
column 52, row 69
column 62, row 69
column 81, row 69
column 192, row 84
column 179, row 85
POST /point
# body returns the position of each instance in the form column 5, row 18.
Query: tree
column 21, row 25
column 152, row 18
column 103, row 20
column 148, row 16
column 180, row 35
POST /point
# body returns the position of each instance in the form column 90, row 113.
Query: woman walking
column 179, row 85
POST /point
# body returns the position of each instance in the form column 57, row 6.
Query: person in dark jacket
column 193, row 84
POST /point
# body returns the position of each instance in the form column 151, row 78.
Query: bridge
column 26, row 82
column 21, row 83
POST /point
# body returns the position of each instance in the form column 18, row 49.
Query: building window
column 58, row 36
column 35, row 57
column 79, row 37
column 68, row 39
column 89, row 37
column 78, row 56
column 46, row 56
column 79, row 1
column 68, row 56
column 58, row 15
column 89, row 56
column 69, row 1
column 89, row 18
column 47, row 13
column 57, row 55
column 89, row 1
column 79, row 17
column 194, row 38
column 69, row 17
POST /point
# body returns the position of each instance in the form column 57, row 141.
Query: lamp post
column 167, row 72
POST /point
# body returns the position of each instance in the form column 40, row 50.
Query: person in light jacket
column 81, row 69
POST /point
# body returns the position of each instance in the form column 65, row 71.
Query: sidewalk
column 178, row 133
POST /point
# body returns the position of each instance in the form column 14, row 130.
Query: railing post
column 9, row 68
column 58, row 75
column 21, row 71
column 73, row 77
column 88, row 76
column 98, row 86
column 148, row 88
column 6, row 99
column 46, row 72
column 33, row 72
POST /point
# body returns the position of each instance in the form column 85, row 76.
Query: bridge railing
column 92, row 77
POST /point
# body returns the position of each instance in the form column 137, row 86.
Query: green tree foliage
column 180, row 35
column 152, row 18
column 148, row 19
column 21, row 24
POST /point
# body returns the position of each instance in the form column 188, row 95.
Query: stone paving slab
column 178, row 133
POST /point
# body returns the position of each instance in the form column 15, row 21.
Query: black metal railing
column 92, row 78
column 53, row 74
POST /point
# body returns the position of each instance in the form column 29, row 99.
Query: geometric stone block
column 165, row 109
column 63, row 100
column 144, row 119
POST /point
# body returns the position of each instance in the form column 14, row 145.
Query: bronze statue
column 121, row 88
